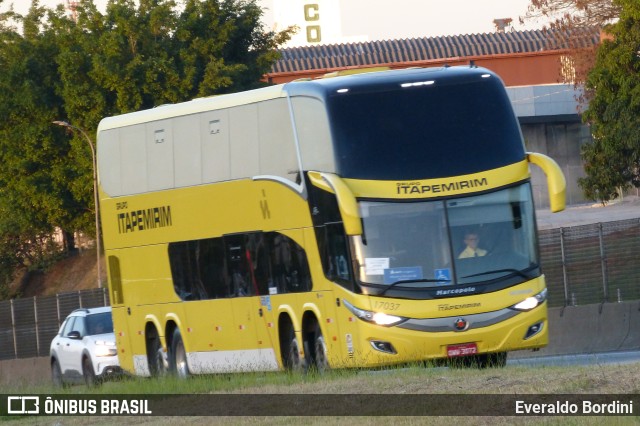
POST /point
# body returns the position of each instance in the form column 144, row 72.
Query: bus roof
column 209, row 103
column 315, row 87
column 386, row 79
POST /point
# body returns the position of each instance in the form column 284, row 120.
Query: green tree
column 612, row 159
column 33, row 198
column 136, row 55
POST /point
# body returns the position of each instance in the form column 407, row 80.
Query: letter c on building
column 311, row 12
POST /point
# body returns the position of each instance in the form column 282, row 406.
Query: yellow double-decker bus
column 354, row 221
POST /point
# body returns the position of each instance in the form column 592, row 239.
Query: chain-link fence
column 583, row 265
column 28, row 325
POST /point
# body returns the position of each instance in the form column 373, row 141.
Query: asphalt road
column 584, row 214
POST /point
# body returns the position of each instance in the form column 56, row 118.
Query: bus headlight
column 531, row 302
column 379, row 318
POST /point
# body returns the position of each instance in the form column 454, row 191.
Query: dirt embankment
column 76, row 272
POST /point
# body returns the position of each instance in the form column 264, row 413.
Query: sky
column 368, row 20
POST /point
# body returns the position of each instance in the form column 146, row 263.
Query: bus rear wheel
column 320, row 360
column 291, row 351
column 157, row 358
column 178, row 358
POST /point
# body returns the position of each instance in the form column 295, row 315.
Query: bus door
column 343, row 345
column 340, row 325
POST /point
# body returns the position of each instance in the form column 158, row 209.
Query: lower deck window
column 258, row 263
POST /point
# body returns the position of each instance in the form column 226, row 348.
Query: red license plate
column 462, row 349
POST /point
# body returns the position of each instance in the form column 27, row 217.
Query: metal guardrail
column 583, row 265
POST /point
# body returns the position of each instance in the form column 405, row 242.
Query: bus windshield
column 443, row 243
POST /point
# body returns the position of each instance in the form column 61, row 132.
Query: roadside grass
column 414, row 379
column 332, row 421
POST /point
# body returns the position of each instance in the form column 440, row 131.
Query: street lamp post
column 95, row 189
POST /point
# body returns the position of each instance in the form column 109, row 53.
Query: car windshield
column 451, row 242
column 99, row 323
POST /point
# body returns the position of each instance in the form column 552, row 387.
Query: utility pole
column 95, row 190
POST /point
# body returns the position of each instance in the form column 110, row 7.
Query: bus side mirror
column 346, row 200
column 555, row 179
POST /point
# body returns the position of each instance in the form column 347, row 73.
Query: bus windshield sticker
column 443, row 275
column 376, row 265
column 392, row 275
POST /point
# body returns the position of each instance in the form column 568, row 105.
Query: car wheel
column 56, row 374
column 87, row 371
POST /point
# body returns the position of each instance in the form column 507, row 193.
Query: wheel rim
column 160, row 362
column 182, row 368
column 295, row 362
column 321, row 354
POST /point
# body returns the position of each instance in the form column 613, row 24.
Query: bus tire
column 157, row 358
column 178, row 357
column 320, row 359
column 291, row 351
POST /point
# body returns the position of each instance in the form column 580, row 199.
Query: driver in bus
column 471, row 240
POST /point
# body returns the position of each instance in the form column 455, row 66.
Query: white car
column 85, row 348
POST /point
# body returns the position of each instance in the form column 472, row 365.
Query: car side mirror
column 75, row 335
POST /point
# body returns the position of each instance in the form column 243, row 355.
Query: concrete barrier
column 632, row 340
column 25, row 372
column 591, row 329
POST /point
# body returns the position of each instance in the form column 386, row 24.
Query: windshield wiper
column 419, row 280
column 496, row 271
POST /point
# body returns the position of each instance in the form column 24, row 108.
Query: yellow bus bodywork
column 239, row 334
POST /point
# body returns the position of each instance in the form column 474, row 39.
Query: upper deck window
column 423, row 129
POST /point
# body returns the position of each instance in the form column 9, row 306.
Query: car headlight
column 104, row 348
column 531, row 302
column 379, row 318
